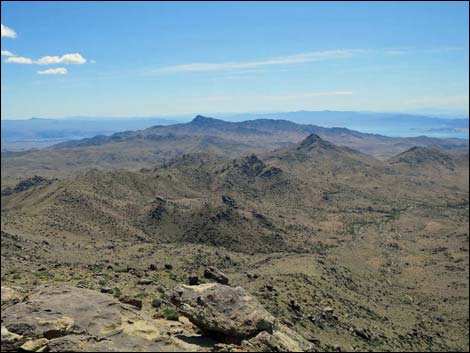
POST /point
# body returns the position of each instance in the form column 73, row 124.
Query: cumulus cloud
column 7, row 53
column 8, row 32
column 67, row 59
column 19, row 60
column 56, row 71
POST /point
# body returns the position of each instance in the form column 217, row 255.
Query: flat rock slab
column 67, row 318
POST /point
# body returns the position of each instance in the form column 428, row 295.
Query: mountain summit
column 419, row 155
column 315, row 141
column 204, row 120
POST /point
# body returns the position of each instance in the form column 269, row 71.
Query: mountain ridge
column 150, row 146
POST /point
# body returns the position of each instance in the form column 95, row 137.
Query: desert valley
column 351, row 241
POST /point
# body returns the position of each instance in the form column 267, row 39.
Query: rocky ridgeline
column 214, row 317
column 26, row 184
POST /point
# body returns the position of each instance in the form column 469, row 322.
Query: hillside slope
column 144, row 148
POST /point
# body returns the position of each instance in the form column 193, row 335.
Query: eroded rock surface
column 10, row 296
column 233, row 314
column 66, row 318
column 222, row 309
column 216, row 275
column 76, row 319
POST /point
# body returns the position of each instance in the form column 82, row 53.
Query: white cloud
column 8, row 32
column 395, row 52
column 67, row 59
column 284, row 60
column 293, row 59
column 307, row 95
column 56, row 71
column 442, row 50
column 294, row 96
column 441, row 101
column 7, row 53
column 19, row 60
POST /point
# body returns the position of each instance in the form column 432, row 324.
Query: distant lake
column 407, row 132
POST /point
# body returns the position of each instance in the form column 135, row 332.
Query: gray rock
column 10, row 340
column 145, row 281
column 193, row 280
column 215, row 274
column 221, row 309
column 10, row 296
column 283, row 339
column 106, row 290
column 137, row 303
column 83, row 320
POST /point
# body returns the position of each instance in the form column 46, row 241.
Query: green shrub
column 156, row 303
column 170, row 314
column 117, row 292
column 121, row 269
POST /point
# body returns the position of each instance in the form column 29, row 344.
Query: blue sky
column 157, row 59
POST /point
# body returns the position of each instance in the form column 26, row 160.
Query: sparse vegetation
column 335, row 268
column 170, row 314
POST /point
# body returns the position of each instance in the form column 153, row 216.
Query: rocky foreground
column 211, row 317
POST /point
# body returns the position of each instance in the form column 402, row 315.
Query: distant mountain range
column 39, row 133
column 157, row 144
column 390, row 124
column 269, row 134
column 20, row 135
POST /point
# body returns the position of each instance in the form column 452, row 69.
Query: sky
column 134, row 58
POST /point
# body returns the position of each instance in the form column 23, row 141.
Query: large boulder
column 75, row 319
column 224, row 310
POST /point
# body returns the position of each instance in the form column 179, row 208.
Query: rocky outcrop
column 66, row 318
column 235, row 316
column 10, row 296
column 26, row 184
column 224, row 310
column 283, row 339
column 229, row 201
column 215, row 274
column 75, row 319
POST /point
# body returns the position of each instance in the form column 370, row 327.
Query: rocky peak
column 203, row 120
column 310, row 139
column 251, row 165
column 314, row 141
column 420, row 155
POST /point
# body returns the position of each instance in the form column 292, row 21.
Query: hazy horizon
column 167, row 59
column 221, row 115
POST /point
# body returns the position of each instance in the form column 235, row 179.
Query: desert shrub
column 170, row 314
column 156, row 303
